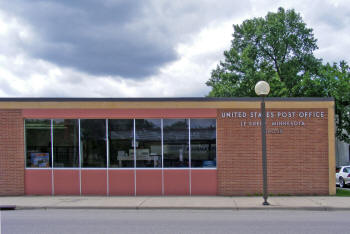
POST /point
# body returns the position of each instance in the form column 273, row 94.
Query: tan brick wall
column 11, row 153
column 297, row 157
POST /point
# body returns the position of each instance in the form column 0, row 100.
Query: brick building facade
column 178, row 161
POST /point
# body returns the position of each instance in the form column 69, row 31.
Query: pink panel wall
column 119, row 113
column 66, row 182
column 94, row 182
column 121, row 182
column 203, row 182
column 148, row 182
column 38, row 182
column 176, row 182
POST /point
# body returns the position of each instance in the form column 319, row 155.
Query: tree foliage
column 334, row 81
column 279, row 49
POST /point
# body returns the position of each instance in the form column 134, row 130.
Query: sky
column 140, row 48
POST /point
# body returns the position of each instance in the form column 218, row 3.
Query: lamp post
column 262, row 89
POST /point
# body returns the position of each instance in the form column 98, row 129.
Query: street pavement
column 86, row 221
column 176, row 202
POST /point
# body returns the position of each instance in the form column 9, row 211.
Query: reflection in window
column 66, row 143
column 148, row 143
column 93, row 142
column 175, row 138
column 38, row 142
column 121, row 142
column 203, row 142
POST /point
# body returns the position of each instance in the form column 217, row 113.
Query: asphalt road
column 173, row 221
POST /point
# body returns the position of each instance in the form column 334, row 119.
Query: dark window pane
column 121, row 142
column 38, row 142
column 175, row 138
column 66, row 143
column 148, row 143
column 203, row 142
column 93, row 142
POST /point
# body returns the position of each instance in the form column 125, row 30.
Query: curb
column 305, row 208
column 7, row 207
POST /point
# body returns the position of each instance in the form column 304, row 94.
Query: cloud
column 328, row 18
column 24, row 73
column 152, row 48
column 132, row 39
column 92, row 37
column 330, row 22
column 26, row 76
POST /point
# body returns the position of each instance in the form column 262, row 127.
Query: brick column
column 297, row 152
column 11, row 153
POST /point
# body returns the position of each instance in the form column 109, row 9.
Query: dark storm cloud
column 131, row 39
column 97, row 37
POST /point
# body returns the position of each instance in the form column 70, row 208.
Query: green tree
column 334, row 81
column 279, row 49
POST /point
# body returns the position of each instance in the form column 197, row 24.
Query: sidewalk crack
column 141, row 203
column 235, row 204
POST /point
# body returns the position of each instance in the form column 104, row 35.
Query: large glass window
column 203, row 142
column 38, row 142
column 93, row 142
column 148, row 143
column 121, row 142
column 66, row 143
column 175, row 139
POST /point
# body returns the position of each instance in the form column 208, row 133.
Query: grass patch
column 343, row 193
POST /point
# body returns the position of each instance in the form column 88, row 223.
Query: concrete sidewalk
column 176, row 202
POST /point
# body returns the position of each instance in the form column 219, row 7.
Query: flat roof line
column 175, row 99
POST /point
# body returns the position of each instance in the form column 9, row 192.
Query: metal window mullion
column 162, row 149
column 107, row 153
column 189, row 153
column 189, row 143
column 135, row 156
column 79, row 145
column 52, row 174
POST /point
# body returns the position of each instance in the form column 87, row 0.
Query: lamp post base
column 265, row 203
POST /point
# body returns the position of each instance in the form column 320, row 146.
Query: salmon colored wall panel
column 176, row 182
column 149, row 182
column 94, row 182
column 38, row 182
column 66, row 182
column 119, row 113
column 121, row 182
column 203, row 182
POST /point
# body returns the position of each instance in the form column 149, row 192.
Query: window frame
column 25, row 138
column 107, row 144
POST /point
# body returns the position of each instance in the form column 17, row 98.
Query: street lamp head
column 262, row 88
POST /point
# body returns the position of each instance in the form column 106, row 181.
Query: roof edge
column 170, row 99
